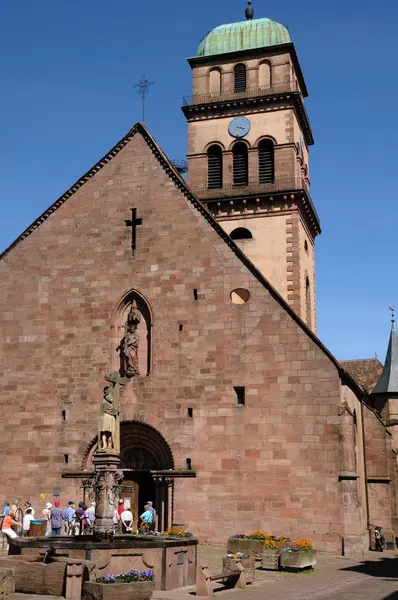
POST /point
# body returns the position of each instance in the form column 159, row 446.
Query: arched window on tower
column 240, row 164
column 265, row 75
column 214, row 167
column 266, row 161
column 241, row 233
column 240, row 78
column 215, row 82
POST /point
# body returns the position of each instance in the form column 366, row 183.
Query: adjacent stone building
column 234, row 415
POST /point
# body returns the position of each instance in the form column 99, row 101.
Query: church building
column 198, row 299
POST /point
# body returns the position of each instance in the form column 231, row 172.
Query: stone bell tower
column 248, row 140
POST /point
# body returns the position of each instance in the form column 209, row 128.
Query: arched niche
column 215, row 81
column 265, row 75
column 142, row 448
column 132, row 336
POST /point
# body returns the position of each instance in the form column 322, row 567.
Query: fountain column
column 106, row 459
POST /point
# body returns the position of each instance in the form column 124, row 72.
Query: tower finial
column 249, row 12
column 392, row 308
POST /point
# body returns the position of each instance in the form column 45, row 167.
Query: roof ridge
column 360, row 359
column 183, row 186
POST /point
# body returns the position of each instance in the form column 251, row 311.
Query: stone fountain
column 173, row 560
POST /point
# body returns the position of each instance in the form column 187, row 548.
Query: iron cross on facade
column 133, row 223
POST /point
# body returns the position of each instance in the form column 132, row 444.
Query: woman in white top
column 127, row 520
column 46, row 512
column 26, row 521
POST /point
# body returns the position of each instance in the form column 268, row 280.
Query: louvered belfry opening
column 240, row 168
column 266, row 162
column 240, row 78
column 308, row 301
column 214, row 167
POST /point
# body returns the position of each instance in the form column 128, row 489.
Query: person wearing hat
column 46, row 514
column 56, row 519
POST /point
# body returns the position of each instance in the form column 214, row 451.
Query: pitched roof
column 183, row 187
column 388, row 382
column 365, row 371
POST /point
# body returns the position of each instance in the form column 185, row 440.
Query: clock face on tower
column 239, row 127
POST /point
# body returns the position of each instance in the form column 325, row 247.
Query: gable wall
column 271, row 464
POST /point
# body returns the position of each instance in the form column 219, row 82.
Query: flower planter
column 138, row 590
column 297, row 560
column 254, row 548
column 270, row 559
column 230, row 565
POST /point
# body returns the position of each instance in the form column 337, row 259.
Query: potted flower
column 298, row 555
column 132, row 585
column 229, row 565
column 251, row 544
column 178, row 532
column 272, row 548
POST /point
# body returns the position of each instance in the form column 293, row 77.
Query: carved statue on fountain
column 109, row 423
column 108, row 476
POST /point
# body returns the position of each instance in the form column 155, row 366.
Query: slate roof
column 365, row 371
column 183, row 187
column 388, row 382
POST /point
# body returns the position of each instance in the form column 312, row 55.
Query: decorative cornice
column 215, row 108
column 244, row 198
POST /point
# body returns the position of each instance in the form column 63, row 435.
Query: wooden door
column 132, row 498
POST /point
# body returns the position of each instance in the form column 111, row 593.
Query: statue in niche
column 129, row 345
column 109, row 422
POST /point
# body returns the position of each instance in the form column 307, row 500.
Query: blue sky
column 67, row 96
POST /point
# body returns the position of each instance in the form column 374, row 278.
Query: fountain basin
column 173, row 560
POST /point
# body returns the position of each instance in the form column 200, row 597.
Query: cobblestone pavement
column 373, row 578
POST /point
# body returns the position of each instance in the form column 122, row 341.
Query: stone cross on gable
column 133, row 223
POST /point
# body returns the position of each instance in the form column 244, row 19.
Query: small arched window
column 266, row 161
column 265, row 75
column 240, row 78
column 214, row 167
column 240, row 164
column 215, row 81
column 241, row 233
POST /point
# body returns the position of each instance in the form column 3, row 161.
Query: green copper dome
column 245, row 35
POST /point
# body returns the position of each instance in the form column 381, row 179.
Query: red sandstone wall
column 380, row 467
column 270, row 464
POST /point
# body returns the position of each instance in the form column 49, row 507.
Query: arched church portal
column 144, row 453
column 147, row 463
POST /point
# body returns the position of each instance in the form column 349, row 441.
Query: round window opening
column 240, row 296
